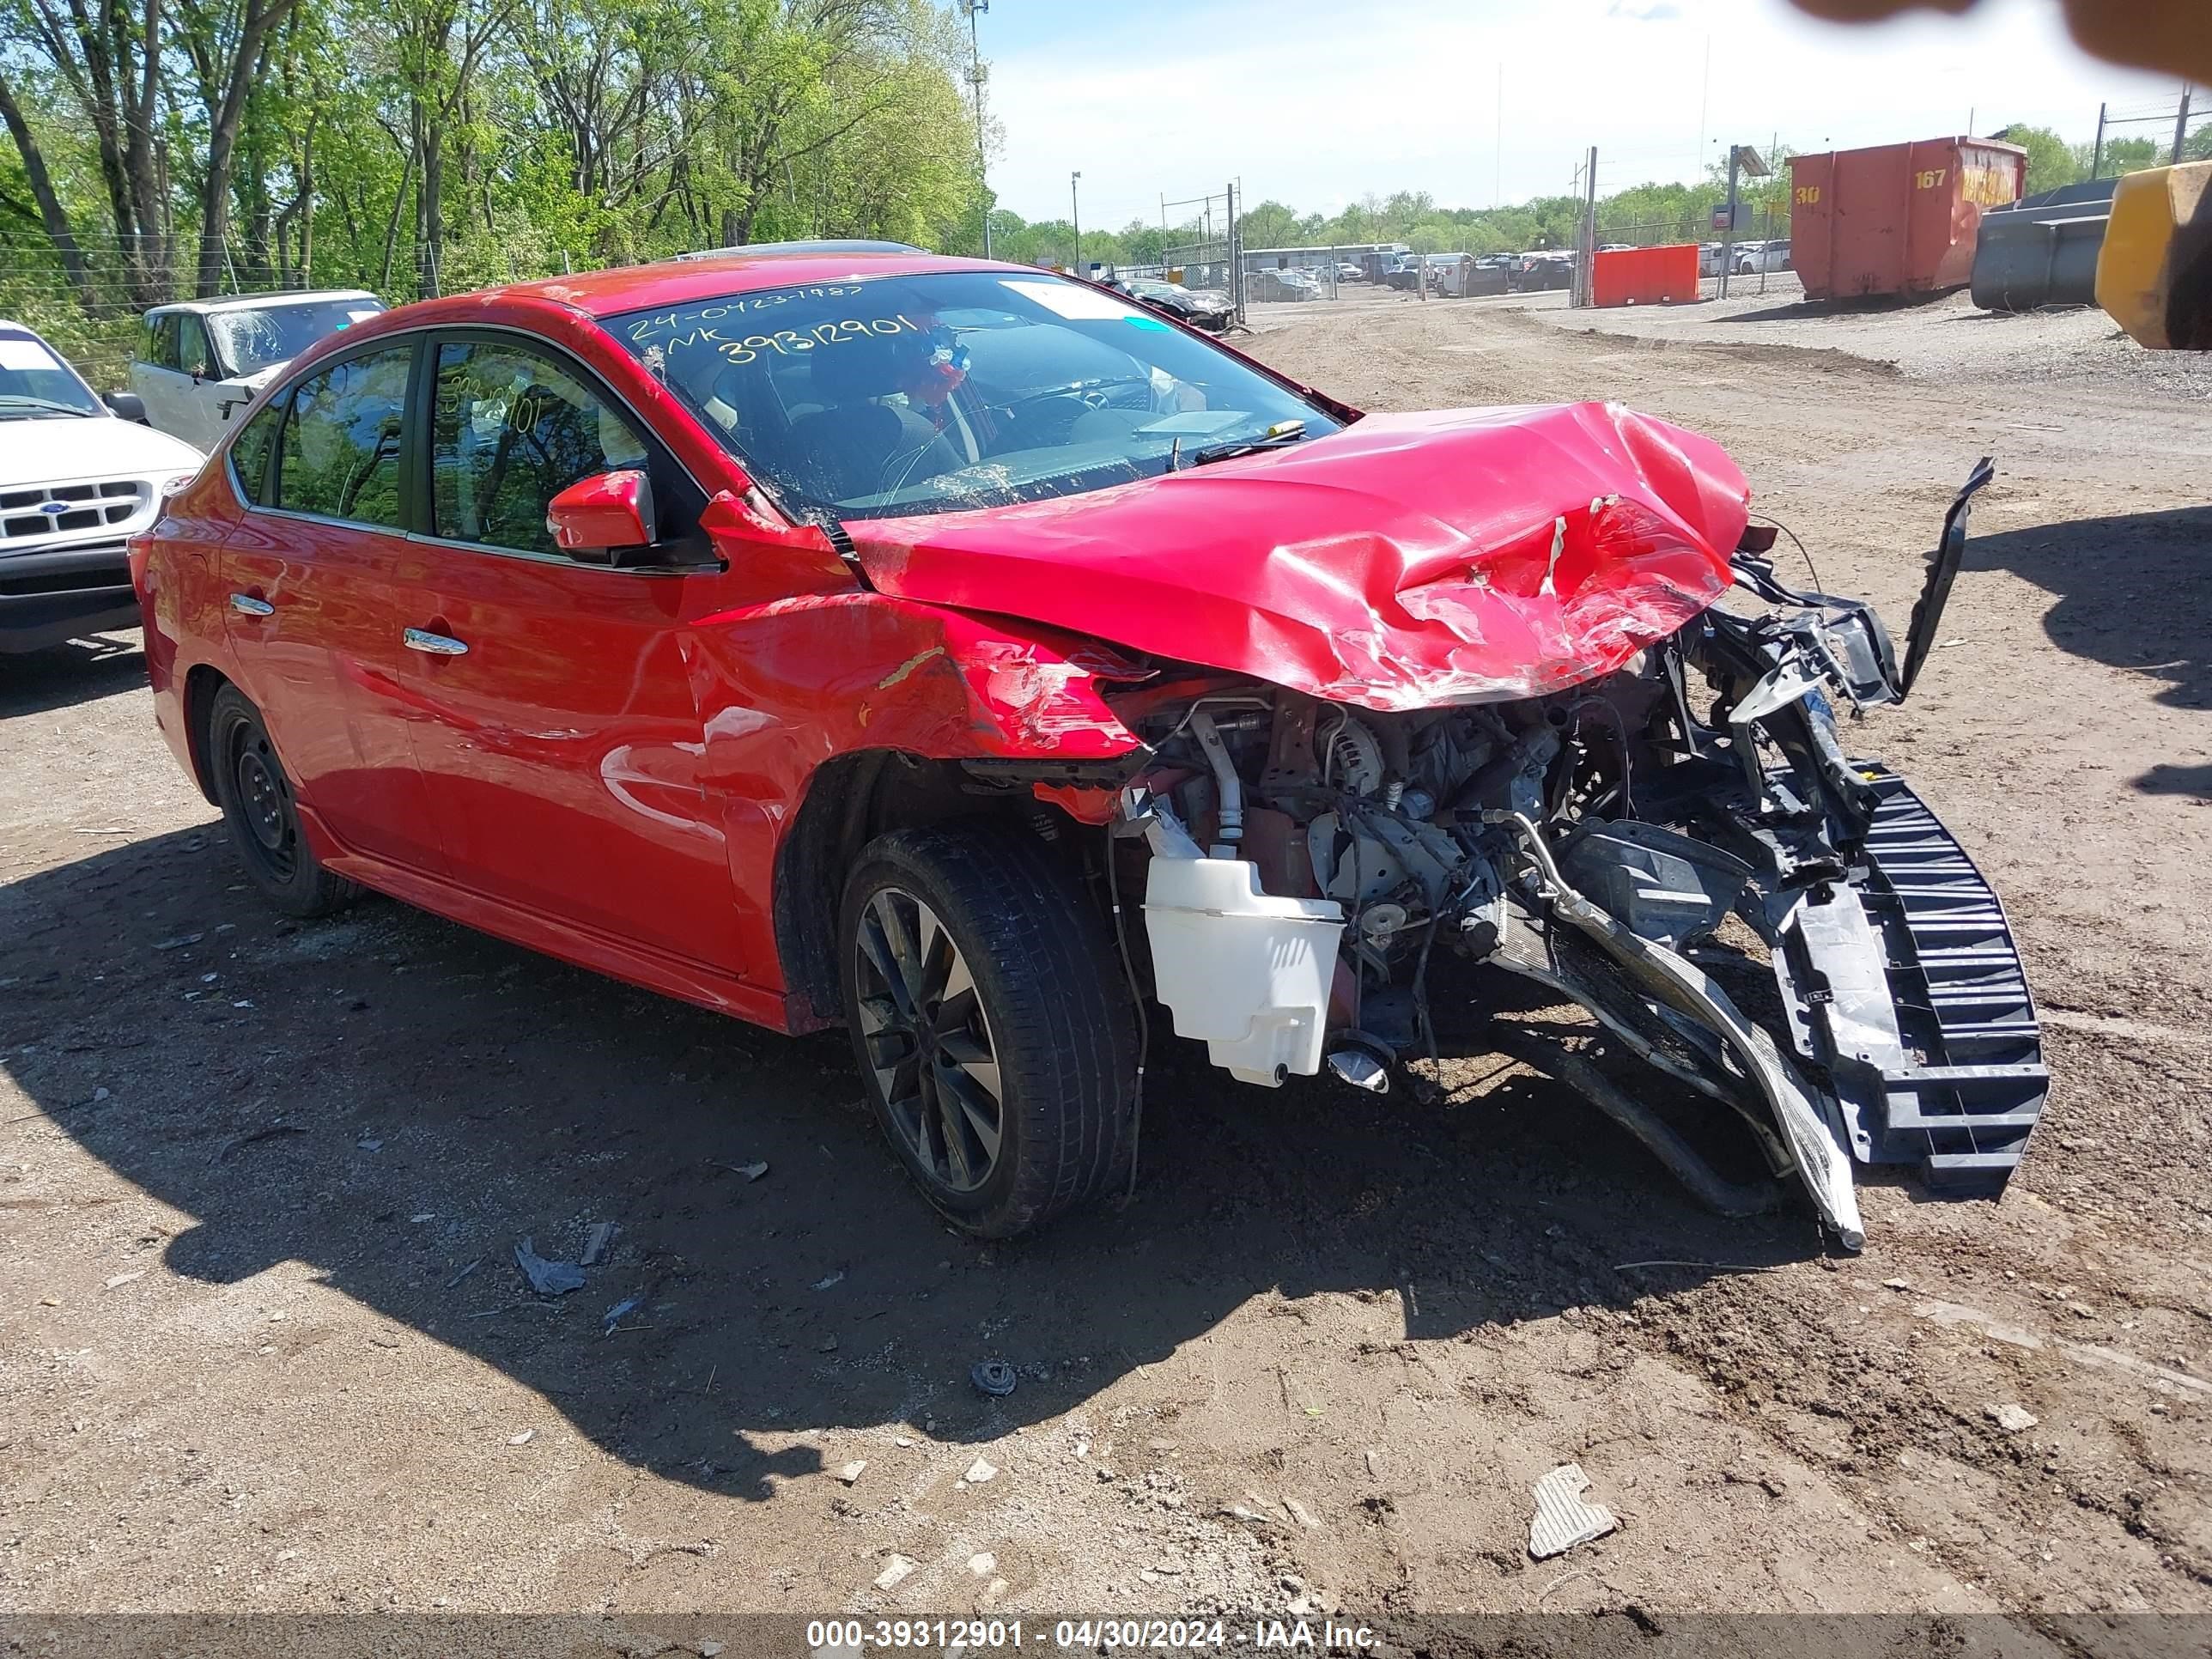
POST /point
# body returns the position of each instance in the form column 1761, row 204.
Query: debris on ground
column 982, row 1563
column 464, row 1273
column 896, row 1571
column 827, row 1345
column 120, row 1280
column 749, row 1171
column 547, row 1277
column 369, row 1145
column 522, row 1439
column 596, row 1244
column 992, row 1376
column 613, row 1319
column 828, row 1280
column 2013, row 1420
column 979, row 1471
column 852, row 1470
column 1564, row 1518
column 1305, row 1517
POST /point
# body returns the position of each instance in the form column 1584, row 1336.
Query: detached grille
column 50, row 511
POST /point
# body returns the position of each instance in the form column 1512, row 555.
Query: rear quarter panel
column 176, row 568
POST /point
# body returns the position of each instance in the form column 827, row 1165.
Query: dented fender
column 788, row 684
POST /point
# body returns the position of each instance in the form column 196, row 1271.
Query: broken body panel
column 1470, row 556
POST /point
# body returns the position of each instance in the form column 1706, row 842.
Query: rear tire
column 991, row 1021
column 263, row 819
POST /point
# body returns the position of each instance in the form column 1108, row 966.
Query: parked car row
column 1207, row 308
column 1752, row 257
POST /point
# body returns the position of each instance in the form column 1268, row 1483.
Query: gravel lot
column 261, row 1345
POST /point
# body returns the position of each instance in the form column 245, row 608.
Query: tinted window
column 249, row 453
column 192, row 346
column 162, row 353
column 513, row 429
column 922, row 394
column 341, row 449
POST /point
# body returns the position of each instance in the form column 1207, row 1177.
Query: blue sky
column 1316, row 102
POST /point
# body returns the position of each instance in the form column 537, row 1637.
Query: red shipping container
column 1645, row 276
column 1896, row 218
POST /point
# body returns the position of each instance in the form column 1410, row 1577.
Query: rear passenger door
column 313, row 578
column 561, row 743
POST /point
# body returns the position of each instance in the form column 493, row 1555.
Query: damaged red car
column 843, row 635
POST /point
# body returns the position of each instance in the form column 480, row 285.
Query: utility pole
column 1075, row 217
column 2181, row 126
column 975, row 80
column 1235, row 249
column 2097, row 155
column 1586, row 267
column 1727, row 233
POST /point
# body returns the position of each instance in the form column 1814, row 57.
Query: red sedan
column 969, row 656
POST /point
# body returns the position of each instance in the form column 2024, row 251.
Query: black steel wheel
column 256, row 797
column 991, row 1021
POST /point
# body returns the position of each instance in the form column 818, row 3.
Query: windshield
column 901, row 395
column 250, row 341
column 35, row 381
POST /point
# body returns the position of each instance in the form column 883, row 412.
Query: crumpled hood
column 1464, row 556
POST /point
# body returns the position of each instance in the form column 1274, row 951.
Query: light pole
column 975, row 80
column 1075, row 218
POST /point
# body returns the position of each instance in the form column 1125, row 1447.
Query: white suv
column 202, row 361
column 76, row 476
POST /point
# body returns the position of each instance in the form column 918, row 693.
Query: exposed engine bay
column 1312, row 864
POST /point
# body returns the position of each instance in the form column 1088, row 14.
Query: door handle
column 435, row 645
column 246, row 606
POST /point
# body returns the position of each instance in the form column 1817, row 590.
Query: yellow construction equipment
column 2155, row 273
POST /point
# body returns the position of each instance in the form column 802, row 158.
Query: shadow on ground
column 395, row 1101
column 77, row 671
column 2134, row 591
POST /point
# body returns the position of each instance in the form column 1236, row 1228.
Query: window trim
column 426, row 450
column 420, row 529
column 213, row 369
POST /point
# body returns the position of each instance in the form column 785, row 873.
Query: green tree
column 2052, row 162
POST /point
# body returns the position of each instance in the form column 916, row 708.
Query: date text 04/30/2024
column 838, row 1636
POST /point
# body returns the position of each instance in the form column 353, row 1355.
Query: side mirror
column 127, row 404
column 598, row 517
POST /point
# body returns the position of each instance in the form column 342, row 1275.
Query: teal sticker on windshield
column 1146, row 322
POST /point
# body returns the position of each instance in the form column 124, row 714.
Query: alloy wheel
column 928, row 1040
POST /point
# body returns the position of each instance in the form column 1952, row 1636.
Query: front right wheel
column 994, row 1029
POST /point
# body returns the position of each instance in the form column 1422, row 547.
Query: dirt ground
column 263, row 1344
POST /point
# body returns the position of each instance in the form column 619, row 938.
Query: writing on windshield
column 901, row 395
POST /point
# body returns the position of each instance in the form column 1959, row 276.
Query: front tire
column 258, row 805
column 992, row 1027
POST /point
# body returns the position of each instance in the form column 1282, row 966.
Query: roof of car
column 671, row 283
column 262, row 301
